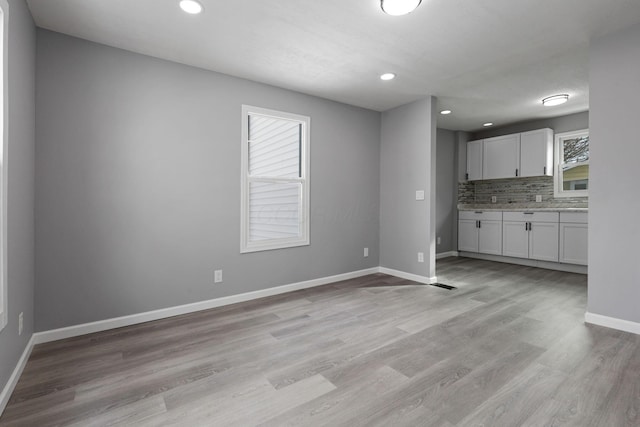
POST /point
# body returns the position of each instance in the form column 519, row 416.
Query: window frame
column 4, row 25
column 264, row 245
column 558, row 182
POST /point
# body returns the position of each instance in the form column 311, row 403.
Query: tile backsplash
column 516, row 190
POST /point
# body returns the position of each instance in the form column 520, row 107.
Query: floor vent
column 440, row 285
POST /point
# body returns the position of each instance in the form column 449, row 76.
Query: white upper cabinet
column 474, row 160
column 501, row 157
column 510, row 156
column 536, row 153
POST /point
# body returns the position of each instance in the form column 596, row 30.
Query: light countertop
column 529, row 207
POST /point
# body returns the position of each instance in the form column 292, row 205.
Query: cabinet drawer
column 532, row 216
column 574, row 217
column 486, row 216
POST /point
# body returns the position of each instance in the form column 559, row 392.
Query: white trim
column 15, row 376
column 409, row 276
column 549, row 265
column 4, row 134
column 612, row 322
column 133, row 319
column 446, row 254
column 303, row 240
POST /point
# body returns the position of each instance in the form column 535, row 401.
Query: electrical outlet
column 217, row 276
column 420, row 257
column 419, row 194
column 494, row 199
column 438, row 240
column 538, row 198
column 20, row 322
column 366, row 252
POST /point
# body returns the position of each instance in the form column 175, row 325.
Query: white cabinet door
column 474, row 160
column 490, row 237
column 543, row 241
column 536, row 153
column 573, row 243
column 467, row 235
column 515, row 239
column 501, row 157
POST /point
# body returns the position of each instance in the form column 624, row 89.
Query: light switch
column 419, row 194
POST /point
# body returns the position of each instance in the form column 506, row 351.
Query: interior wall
column 614, row 229
column 560, row 124
column 20, row 197
column 461, row 139
column 408, row 164
column 138, row 185
column 446, row 189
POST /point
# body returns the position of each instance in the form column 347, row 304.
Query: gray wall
column 138, row 185
column 446, row 189
column 21, row 125
column 614, row 229
column 407, row 164
column 560, row 124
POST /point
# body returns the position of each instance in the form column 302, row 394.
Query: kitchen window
column 572, row 164
column 275, row 180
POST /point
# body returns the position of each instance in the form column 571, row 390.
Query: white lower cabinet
column 543, row 236
column 480, row 232
column 532, row 235
column 574, row 238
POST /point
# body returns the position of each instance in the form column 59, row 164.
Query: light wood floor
column 509, row 347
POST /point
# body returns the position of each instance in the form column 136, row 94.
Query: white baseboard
column 446, row 254
column 409, row 276
column 133, row 319
column 15, row 376
column 549, row 265
column 612, row 322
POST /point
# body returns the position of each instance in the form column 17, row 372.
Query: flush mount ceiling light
column 191, row 6
column 387, row 76
column 487, row 124
column 555, row 100
column 399, row 7
column 445, row 112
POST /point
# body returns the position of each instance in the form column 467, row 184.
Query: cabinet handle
column 466, row 176
column 479, row 224
column 529, row 226
column 544, row 170
column 526, row 226
column 516, row 172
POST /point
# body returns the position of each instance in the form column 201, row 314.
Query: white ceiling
column 489, row 60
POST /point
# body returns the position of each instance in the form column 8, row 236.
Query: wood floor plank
column 517, row 400
column 331, row 407
column 508, row 347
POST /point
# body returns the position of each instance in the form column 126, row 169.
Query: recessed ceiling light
column 191, row 6
column 445, row 112
column 387, row 76
column 487, row 124
column 399, row 7
column 555, row 100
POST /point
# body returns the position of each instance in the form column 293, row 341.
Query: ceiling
column 488, row 61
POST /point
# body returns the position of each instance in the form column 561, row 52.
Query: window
column 572, row 164
column 275, row 180
column 3, row 165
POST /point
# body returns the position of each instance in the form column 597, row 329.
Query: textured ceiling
column 490, row 60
